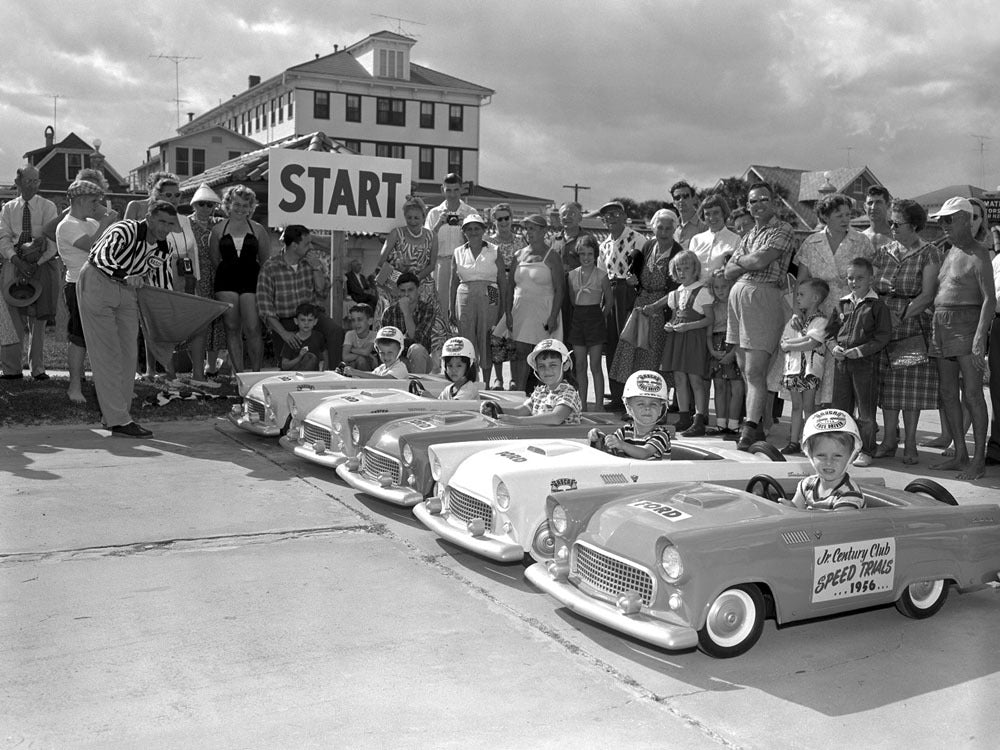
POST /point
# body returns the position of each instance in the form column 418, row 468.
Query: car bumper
column 484, row 546
column 643, row 627
column 405, row 496
column 329, row 459
column 255, row 426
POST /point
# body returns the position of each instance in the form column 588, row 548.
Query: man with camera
column 27, row 254
column 445, row 220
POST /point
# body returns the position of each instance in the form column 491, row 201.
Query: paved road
column 206, row 589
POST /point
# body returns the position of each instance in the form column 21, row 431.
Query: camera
column 187, row 267
column 452, row 219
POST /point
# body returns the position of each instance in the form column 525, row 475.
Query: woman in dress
column 537, row 281
column 478, row 283
column 238, row 248
column 655, row 284
column 138, row 208
column 906, row 271
column 411, row 247
column 826, row 254
column 508, row 244
column 213, row 336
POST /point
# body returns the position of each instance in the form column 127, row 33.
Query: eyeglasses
column 203, row 204
column 502, row 218
column 612, row 215
column 758, row 200
column 946, row 219
column 898, row 224
column 685, row 197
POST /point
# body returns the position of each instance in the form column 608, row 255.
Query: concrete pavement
column 207, row 589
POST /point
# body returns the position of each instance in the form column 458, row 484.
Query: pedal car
column 492, row 503
column 264, row 409
column 394, row 465
column 696, row 564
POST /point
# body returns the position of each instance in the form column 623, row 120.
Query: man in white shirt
column 445, row 220
column 715, row 245
column 27, row 253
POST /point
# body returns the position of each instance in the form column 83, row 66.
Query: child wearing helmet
column 458, row 364
column 389, row 344
column 645, row 396
column 831, row 441
column 553, row 401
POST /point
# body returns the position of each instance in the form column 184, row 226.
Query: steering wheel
column 766, row 487
column 491, row 409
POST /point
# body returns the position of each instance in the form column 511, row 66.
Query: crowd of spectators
column 730, row 302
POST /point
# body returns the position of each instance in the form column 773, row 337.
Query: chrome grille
column 314, row 432
column 255, row 409
column 612, row 575
column 466, row 507
column 375, row 465
column 798, row 536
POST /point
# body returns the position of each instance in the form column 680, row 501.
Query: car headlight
column 407, row 455
column 356, row 434
column 267, row 398
column 502, row 495
column 337, row 426
column 435, row 463
column 671, row 563
column 292, row 408
column 560, row 521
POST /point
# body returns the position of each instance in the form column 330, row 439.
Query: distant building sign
column 336, row 191
column 992, row 201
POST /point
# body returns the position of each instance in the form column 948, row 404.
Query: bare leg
column 974, row 404
column 948, row 370
column 251, row 329
column 74, row 357
column 755, row 373
column 736, row 396
column 580, row 363
column 596, row 355
column 910, row 419
column 721, row 392
column 198, row 356
column 700, row 393
column 890, row 436
column 795, row 429
column 682, row 390
column 234, row 334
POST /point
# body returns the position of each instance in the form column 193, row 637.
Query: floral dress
column 898, row 279
column 409, row 253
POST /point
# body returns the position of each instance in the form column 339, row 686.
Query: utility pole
column 176, row 60
column 982, row 157
column 576, row 188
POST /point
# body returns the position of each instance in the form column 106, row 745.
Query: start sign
column 336, row 191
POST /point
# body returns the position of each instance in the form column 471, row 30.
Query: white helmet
column 459, row 346
column 830, row 420
column 645, row 383
column 550, row 345
column 392, row 334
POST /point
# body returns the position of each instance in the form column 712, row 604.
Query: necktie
column 25, row 236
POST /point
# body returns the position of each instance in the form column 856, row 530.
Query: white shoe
column 863, row 459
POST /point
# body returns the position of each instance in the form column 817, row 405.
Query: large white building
column 372, row 98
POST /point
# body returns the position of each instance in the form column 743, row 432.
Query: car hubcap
column 731, row 617
column 925, row 593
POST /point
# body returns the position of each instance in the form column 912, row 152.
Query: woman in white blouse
column 478, row 283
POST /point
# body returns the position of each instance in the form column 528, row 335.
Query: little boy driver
column 645, row 396
column 831, row 441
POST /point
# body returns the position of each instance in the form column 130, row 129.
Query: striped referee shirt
column 123, row 251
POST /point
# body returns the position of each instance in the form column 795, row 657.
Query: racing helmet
column 458, row 346
column 392, row 334
column 550, row 345
column 830, row 420
column 645, row 383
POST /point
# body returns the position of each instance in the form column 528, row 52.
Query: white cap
column 392, row 334
column 549, row 345
column 953, row 206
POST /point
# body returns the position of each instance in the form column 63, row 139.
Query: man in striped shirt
column 109, row 309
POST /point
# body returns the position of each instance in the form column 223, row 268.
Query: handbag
column 908, row 351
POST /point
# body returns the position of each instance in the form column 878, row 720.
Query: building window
column 427, row 114
column 321, row 105
column 391, row 112
column 291, row 105
column 456, row 119
column 234, row 155
column 281, row 110
column 74, row 163
column 181, row 164
column 392, row 150
column 355, row 146
column 455, row 160
column 390, row 63
column 352, row 111
column 272, row 114
column 197, row 160
column 426, row 163
column 256, row 118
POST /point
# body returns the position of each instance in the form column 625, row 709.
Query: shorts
column 588, row 327
column 800, row 383
column 953, row 330
column 74, row 326
column 756, row 317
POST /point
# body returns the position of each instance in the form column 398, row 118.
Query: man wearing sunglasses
column 964, row 309
column 686, row 203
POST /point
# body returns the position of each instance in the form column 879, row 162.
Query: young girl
column 802, row 342
column 726, row 377
column 590, row 294
column 685, row 352
column 554, row 401
column 831, row 441
column 458, row 364
column 645, row 396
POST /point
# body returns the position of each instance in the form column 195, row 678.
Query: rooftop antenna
column 399, row 23
column 55, row 101
column 177, row 60
column 982, row 156
column 848, row 149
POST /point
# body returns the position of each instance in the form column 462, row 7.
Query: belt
column 756, row 282
column 118, row 276
column 618, row 282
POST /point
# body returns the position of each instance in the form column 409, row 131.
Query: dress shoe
column 41, row 376
column 131, row 430
column 14, row 376
column 863, row 459
column 697, row 428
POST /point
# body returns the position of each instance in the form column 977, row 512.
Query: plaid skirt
column 908, row 388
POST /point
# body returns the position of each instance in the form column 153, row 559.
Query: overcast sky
column 625, row 97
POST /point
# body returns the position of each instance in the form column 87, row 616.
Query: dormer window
column 390, row 63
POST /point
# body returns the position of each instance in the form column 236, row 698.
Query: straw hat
column 205, row 193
